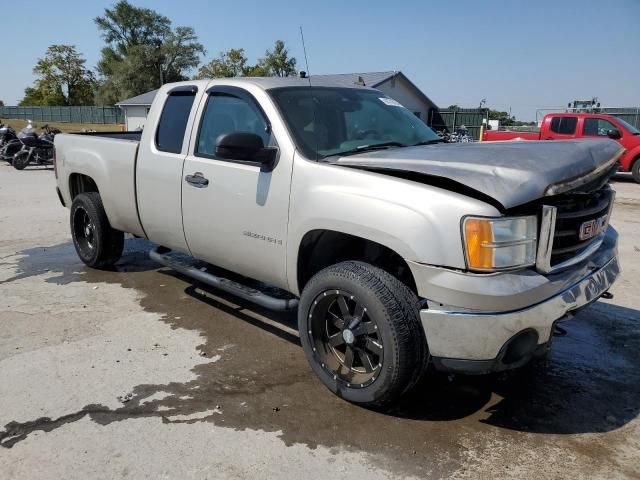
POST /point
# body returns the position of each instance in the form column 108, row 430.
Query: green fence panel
column 450, row 120
column 89, row 114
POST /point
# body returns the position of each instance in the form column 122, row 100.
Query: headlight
column 500, row 243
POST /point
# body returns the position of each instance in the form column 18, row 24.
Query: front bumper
column 458, row 336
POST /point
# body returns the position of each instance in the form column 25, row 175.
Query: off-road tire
column 106, row 245
column 395, row 310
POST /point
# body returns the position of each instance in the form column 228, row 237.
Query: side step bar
column 159, row 254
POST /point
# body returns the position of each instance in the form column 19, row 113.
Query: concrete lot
column 137, row 373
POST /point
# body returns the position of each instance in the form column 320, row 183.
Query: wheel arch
column 81, row 183
column 318, row 249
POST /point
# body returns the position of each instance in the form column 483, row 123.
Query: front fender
column 626, row 161
column 419, row 222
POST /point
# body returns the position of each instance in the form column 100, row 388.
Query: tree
column 62, row 79
column 505, row 119
column 232, row 63
column 1, row 103
column 278, row 63
column 143, row 51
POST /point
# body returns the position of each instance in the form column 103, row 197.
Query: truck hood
column 511, row 173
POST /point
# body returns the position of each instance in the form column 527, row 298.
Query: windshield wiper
column 369, row 148
column 429, row 142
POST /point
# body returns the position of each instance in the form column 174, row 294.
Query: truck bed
column 501, row 135
column 109, row 159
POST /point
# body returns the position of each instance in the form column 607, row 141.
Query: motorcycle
column 36, row 149
column 461, row 135
column 7, row 135
column 444, row 135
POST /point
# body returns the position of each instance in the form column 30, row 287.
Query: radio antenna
column 313, row 101
column 306, row 60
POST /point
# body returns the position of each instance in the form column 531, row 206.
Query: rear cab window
column 174, row 119
column 564, row 125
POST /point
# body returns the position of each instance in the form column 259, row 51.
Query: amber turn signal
column 479, row 237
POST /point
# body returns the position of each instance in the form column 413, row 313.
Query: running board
column 159, row 254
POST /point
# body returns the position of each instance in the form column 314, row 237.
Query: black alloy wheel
column 345, row 339
column 361, row 333
column 84, row 231
column 98, row 244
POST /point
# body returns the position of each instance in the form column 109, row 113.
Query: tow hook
column 607, row 295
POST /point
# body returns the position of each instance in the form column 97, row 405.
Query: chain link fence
column 106, row 115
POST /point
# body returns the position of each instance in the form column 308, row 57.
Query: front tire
column 21, row 159
column 98, row 245
column 361, row 333
column 635, row 170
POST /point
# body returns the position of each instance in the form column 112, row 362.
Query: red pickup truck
column 562, row 126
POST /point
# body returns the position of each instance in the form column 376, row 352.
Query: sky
column 518, row 55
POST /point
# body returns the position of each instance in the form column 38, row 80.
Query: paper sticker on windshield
column 389, row 101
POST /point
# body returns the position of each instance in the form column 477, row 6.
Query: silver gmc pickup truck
column 397, row 250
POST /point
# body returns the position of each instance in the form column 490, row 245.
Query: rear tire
column 21, row 160
column 98, row 245
column 635, row 170
column 360, row 331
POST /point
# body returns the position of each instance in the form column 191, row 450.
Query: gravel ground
column 137, row 373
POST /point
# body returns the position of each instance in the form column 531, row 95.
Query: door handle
column 197, row 180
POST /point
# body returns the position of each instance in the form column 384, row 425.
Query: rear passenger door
column 562, row 128
column 159, row 168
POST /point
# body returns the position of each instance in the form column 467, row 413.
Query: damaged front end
column 495, row 314
column 505, row 174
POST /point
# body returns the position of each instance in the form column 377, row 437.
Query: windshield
column 633, row 130
column 328, row 121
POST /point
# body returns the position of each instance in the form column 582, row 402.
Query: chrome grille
column 572, row 226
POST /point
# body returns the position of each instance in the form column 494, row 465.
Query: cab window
column 564, row 125
column 226, row 113
column 173, row 121
column 597, row 127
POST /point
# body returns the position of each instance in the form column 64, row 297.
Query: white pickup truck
column 397, row 250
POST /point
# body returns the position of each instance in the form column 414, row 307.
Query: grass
column 65, row 127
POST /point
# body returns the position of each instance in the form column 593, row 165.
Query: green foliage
column 234, row 63
column 258, row 70
column 507, row 120
column 62, row 79
column 278, row 63
column 1, row 103
column 143, row 52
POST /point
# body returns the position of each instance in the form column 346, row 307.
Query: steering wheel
column 365, row 133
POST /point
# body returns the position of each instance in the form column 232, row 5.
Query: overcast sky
column 516, row 54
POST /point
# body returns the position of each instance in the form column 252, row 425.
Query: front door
column 234, row 214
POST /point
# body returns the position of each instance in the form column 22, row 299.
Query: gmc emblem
column 591, row 228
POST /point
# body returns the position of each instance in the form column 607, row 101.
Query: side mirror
column 614, row 133
column 245, row 146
